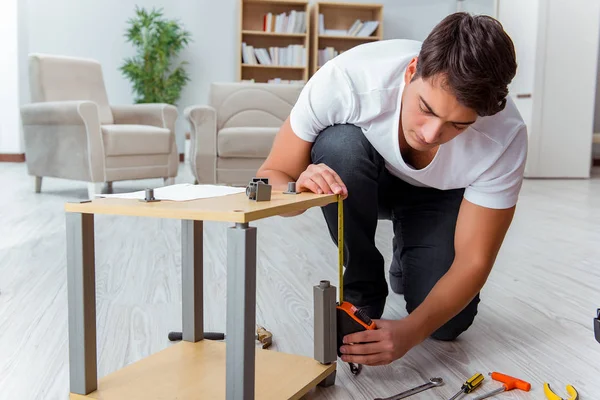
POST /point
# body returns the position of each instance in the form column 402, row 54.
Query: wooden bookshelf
column 341, row 16
column 253, row 33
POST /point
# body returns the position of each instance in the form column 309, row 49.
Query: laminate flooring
column 535, row 320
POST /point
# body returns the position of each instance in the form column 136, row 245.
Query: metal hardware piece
column 149, row 196
column 291, row 188
column 258, row 189
column 433, row 382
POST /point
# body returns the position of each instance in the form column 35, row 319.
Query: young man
column 422, row 134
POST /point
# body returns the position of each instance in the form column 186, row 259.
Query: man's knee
column 339, row 146
column 459, row 324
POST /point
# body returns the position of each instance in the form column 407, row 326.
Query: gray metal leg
column 241, row 312
column 329, row 381
column 38, row 184
column 325, row 323
column 81, row 285
column 191, row 274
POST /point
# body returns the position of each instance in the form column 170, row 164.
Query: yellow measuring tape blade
column 341, row 247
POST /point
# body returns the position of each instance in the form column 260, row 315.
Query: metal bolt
column 150, row 194
column 324, row 284
column 291, row 188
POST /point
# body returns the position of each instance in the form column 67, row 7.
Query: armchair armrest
column 63, row 139
column 59, row 113
column 203, row 143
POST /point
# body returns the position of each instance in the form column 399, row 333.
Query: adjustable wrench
column 433, row 382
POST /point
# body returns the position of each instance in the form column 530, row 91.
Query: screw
column 150, row 195
column 291, row 188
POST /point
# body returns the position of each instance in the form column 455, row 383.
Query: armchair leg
column 169, row 181
column 94, row 188
column 109, row 187
column 38, row 184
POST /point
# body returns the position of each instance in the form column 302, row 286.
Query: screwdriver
column 509, row 383
column 471, row 384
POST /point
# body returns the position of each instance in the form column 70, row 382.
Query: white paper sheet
column 180, row 192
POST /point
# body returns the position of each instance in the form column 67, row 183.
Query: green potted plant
column 157, row 41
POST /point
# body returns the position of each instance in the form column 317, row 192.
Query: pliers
column 553, row 396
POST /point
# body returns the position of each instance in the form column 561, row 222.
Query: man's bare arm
column 289, row 157
column 290, row 161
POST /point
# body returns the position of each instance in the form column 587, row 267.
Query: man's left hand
column 390, row 341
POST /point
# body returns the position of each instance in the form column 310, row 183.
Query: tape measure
column 341, row 247
column 349, row 318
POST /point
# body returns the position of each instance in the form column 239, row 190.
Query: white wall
column 95, row 29
column 9, row 79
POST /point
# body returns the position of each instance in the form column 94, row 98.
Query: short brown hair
column 475, row 57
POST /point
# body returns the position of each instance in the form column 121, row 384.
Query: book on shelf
column 293, row 55
column 287, row 81
column 357, row 29
column 294, row 22
column 326, row 54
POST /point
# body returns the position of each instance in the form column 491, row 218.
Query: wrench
column 433, row 382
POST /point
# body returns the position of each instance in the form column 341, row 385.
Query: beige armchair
column 233, row 135
column 71, row 131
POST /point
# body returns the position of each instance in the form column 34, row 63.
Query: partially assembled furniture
column 233, row 134
column 72, row 132
column 197, row 367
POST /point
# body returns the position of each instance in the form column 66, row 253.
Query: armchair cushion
column 246, row 142
column 121, row 140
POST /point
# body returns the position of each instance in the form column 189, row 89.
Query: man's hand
column 391, row 340
column 319, row 178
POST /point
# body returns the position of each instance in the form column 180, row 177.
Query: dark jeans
column 424, row 221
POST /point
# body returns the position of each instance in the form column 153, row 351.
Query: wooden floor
column 535, row 318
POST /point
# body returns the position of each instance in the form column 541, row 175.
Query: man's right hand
column 321, row 179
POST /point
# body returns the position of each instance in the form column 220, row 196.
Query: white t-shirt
column 363, row 86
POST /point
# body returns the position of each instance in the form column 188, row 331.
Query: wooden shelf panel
column 274, row 34
column 269, row 3
column 272, row 66
column 266, row 41
column 265, row 74
column 357, row 6
column 189, row 371
column 352, row 38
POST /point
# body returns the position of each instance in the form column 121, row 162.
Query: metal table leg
column 81, row 284
column 191, row 280
column 325, row 327
column 241, row 312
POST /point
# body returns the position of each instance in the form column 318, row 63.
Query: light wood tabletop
column 231, row 208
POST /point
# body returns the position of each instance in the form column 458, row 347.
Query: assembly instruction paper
column 180, row 192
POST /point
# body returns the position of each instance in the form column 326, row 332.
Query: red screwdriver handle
column 510, row 382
